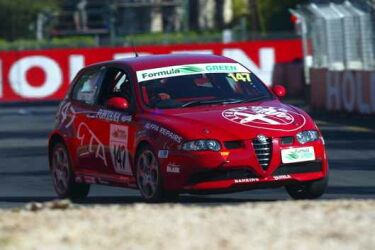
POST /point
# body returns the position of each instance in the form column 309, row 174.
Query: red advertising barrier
column 44, row 75
column 343, row 91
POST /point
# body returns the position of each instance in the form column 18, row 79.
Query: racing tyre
column 63, row 176
column 149, row 178
column 308, row 190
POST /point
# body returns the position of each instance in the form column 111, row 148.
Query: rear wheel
column 308, row 190
column 63, row 176
column 149, row 177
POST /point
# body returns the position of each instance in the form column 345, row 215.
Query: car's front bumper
column 211, row 172
column 230, row 185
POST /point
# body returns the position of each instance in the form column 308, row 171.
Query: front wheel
column 149, row 178
column 63, row 176
column 308, row 190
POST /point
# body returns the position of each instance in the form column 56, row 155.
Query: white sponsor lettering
column 20, row 85
column 87, row 137
column 112, row 116
column 103, row 181
column 246, row 180
column 163, row 131
column 78, row 179
column 364, row 107
column 89, row 179
column 348, row 88
column 173, row 168
column 126, row 118
column 333, row 94
column 118, row 143
column 348, row 91
column 170, row 135
column 108, row 115
column 54, row 75
column 282, row 177
column 189, row 69
column 202, row 51
column 76, row 63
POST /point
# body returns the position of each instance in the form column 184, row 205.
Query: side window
column 87, row 87
column 116, row 83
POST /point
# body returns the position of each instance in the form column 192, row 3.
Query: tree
column 265, row 15
column 17, row 17
column 275, row 15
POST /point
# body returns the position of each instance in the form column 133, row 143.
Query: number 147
column 243, row 77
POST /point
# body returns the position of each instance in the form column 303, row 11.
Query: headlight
column 307, row 136
column 201, row 145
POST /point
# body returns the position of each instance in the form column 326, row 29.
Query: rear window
column 87, row 87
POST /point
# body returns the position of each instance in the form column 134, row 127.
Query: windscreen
column 200, row 87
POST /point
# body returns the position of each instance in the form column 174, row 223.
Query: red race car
column 172, row 124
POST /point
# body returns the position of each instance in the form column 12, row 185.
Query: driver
column 160, row 93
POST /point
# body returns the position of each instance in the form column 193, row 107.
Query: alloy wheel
column 147, row 174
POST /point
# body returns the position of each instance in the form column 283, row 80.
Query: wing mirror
column 119, row 103
column 279, row 91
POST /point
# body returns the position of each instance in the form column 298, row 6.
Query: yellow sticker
column 240, row 77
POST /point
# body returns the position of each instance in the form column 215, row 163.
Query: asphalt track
column 24, row 175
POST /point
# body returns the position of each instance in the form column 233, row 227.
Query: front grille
column 263, row 152
column 222, row 174
column 298, row 168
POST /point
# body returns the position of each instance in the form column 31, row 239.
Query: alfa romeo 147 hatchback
column 172, row 124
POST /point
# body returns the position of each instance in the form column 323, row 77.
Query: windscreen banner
column 45, row 75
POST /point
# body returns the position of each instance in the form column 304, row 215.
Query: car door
column 90, row 149
column 115, row 127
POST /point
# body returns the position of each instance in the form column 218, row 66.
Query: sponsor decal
column 264, row 117
column 189, row 69
column 292, row 155
column 126, row 118
column 112, row 116
column 103, row 181
column 46, row 74
column 173, row 168
column 163, row 131
column 152, row 126
column 348, row 91
column 246, row 180
column 240, row 77
column 87, row 137
column 170, row 135
column 89, row 179
column 68, row 114
column 282, row 177
column 78, row 179
column 163, row 154
column 118, row 144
